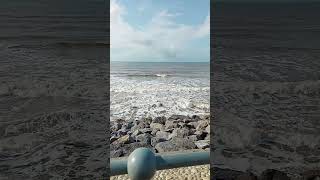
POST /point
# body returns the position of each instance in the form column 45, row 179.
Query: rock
column 156, row 140
column 129, row 148
column 154, row 132
column 160, row 120
column 136, row 133
column 162, row 135
column 202, row 125
column 140, row 125
column 207, row 130
column 144, row 138
column 116, row 126
column 182, row 124
column 181, row 133
column 147, row 120
column 193, row 138
column 196, row 118
column 202, row 144
column 146, row 130
column 113, row 138
column 192, row 124
column 171, row 125
column 124, row 140
column 272, row 174
column 200, row 135
column 116, row 153
column 175, row 144
column 123, row 131
column 177, row 117
column 157, row 126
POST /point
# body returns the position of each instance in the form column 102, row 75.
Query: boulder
column 146, row 130
column 124, row 140
column 193, row 138
column 144, row 138
column 202, row 144
column 175, row 144
column 157, row 126
column 202, row 125
column 200, row 135
column 171, row 125
column 162, row 135
column 160, row 120
column 177, row 117
column 180, row 133
column 156, row 140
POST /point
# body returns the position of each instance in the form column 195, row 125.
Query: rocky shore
column 161, row 134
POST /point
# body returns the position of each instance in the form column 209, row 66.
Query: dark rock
column 145, row 138
column 139, row 126
column 192, row 124
column 171, row 125
column 182, row 124
column 177, row 117
column 202, row 144
column 136, row 133
column 157, row 126
column 146, row 130
column 193, row 138
column 154, row 132
column 156, row 140
column 160, row 120
column 113, row 138
column 175, row 144
column 116, row 153
column 207, row 130
column 180, row 133
column 200, row 135
column 129, row 148
column 196, row 118
column 116, row 126
column 202, row 125
column 162, row 135
column 123, row 131
column 124, row 140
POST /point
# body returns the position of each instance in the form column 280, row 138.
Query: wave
column 148, row 75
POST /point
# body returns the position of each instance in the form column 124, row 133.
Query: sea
column 150, row 89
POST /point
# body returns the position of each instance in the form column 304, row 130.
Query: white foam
column 135, row 99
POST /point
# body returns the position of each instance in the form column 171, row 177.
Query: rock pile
column 161, row 134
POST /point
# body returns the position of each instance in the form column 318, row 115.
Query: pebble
column 186, row 173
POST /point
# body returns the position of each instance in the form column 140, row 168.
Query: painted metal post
column 143, row 163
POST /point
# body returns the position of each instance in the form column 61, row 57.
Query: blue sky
column 160, row 30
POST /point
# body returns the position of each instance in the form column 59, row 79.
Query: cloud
column 162, row 37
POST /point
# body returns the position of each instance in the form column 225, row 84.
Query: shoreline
column 160, row 134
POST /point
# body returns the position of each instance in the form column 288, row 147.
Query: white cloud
column 162, row 37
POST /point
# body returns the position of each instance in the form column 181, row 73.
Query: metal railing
column 142, row 163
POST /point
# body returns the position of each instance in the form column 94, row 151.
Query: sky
column 160, row 31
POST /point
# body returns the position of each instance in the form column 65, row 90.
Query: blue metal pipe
column 118, row 167
column 182, row 160
column 143, row 159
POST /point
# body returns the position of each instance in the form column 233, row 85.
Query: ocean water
column 150, row 89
